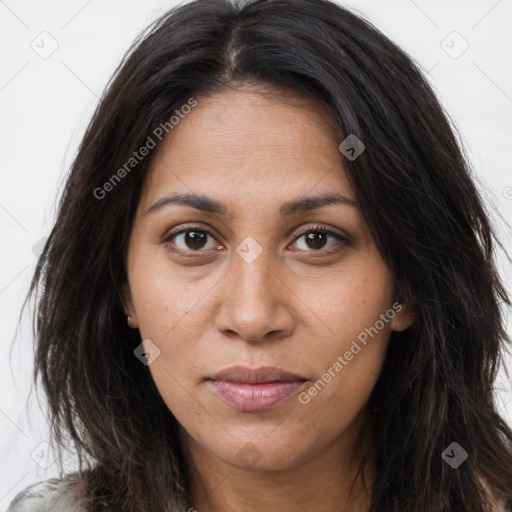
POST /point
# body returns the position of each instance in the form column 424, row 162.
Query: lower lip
column 255, row 397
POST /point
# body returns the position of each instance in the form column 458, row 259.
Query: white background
column 45, row 105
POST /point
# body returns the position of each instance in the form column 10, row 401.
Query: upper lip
column 255, row 375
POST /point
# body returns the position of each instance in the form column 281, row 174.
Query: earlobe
column 403, row 317
column 129, row 311
column 132, row 321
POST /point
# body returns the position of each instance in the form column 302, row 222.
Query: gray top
column 51, row 495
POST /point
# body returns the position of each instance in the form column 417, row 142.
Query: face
column 232, row 271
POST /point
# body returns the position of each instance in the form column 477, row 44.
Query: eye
column 321, row 239
column 192, row 239
column 316, row 239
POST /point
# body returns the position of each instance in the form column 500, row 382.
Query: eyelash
column 319, row 228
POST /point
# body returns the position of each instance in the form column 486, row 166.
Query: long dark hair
column 415, row 189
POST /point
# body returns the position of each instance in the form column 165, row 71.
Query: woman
column 270, row 285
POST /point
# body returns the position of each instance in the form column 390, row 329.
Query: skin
column 294, row 307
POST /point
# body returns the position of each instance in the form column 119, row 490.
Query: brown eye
column 195, row 239
column 190, row 240
column 319, row 239
column 315, row 240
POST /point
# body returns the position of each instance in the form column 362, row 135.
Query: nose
column 255, row 304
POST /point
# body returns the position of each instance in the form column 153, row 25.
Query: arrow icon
column 249, row 454
column 454, row 455
column 42, row 456
column 454, row 45
column 45, row 45
column 249, row 249
column 352, row 147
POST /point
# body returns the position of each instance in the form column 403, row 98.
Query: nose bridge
column 254, row 302
column 253, row 277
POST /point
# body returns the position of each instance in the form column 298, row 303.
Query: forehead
column 243, row 143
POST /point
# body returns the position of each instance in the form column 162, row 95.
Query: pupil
column 315, row 240
column 195, row 239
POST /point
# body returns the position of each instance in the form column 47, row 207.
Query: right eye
column 191, row 240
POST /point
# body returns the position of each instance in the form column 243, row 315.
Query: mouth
column 251, row 390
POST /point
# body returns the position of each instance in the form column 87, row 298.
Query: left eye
column 316, row 240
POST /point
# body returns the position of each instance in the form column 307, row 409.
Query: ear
column 126, row 300
column 403, row 317
column 129, row 310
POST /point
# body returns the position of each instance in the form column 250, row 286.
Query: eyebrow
column 209, row 205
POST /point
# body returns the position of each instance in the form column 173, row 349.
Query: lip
column 254, row 389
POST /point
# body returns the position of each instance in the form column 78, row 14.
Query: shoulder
column 53, row 495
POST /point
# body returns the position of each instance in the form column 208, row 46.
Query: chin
column 262, row 455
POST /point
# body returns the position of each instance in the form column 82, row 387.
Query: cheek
column 348, row 366
column 171, row 313
column 166, row 296
column 348, row 301
column 351, row 342
column 174, row 319
column 170, row 317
